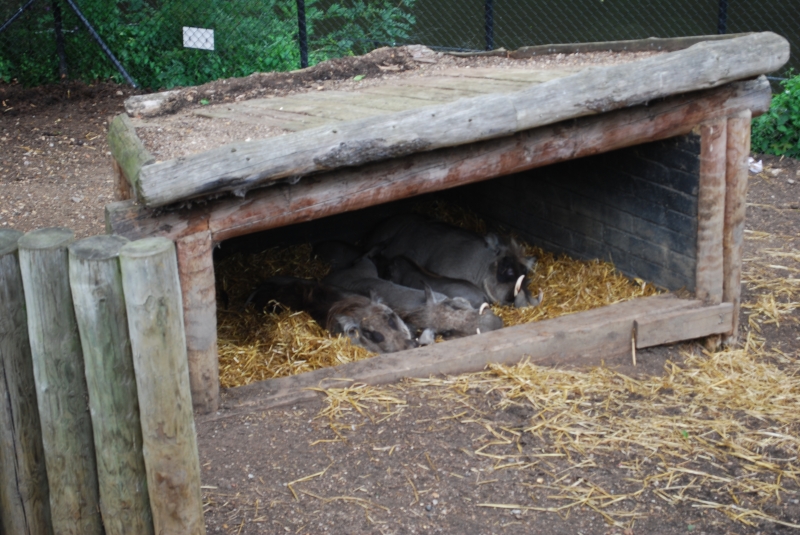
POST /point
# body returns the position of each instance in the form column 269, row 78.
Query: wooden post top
column 8, row 240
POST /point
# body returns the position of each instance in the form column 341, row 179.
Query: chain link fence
column 166, row 43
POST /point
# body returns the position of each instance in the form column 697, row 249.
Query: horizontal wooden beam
column 352, row 189
column 576, row 339
column 683, row 325
column 240, row 167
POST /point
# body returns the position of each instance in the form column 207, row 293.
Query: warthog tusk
column 518, row 285
column 483, row 308
column 479, row 331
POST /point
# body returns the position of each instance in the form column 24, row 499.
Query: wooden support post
column 155, row 322
column 738, row 149
column 711, row 211
column 24, row 497
column 196, row 269
column 96, row 285
column 60, row 383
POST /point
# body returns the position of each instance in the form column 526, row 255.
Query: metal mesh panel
column 164, row 43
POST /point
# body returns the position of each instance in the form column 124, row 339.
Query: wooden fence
column 96, row 427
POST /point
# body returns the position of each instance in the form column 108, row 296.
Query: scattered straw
column 723, row 425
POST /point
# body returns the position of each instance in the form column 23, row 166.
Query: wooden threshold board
column 576, row 339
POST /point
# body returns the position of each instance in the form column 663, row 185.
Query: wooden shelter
column 344, row 151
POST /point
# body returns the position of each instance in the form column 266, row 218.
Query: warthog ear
column 431, row 297
column 492, row 242
column 346, row 326
column 528, row 261
column 427, row 337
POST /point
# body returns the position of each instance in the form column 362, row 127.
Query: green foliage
column 778, row 131
column 364, row 25
column 146, row 36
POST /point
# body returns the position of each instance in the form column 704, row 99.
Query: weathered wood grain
column 711, row 210
column 479, row 85
column 577, row 339
column 24, row 496
column 685, row 324
column 128, row 150
column 655, row 44
column 242, row 166
column 428, row 95
column 158, row 342
column 60, row 382
column 264, row 116
column 352, row 189
column 196, row 271
column 738, row 150
column 515, row 75
column 96, row 284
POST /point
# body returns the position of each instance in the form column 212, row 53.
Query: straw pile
column 257, row 345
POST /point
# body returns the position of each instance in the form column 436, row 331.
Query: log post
column 96, row 284
column 711, row 211
column 738, row 149
column 196, row 269
column 60, row 382
column 24, row 496
column 155, row 323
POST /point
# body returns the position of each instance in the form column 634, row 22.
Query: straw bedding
column 257, row 345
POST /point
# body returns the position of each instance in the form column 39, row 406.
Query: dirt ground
column 461, row 454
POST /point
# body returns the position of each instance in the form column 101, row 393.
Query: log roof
column 334, row 129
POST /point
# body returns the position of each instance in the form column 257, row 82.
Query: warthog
column 406, row 272
column 367, row 322
column 496, row 265
column 421, row 309
column 337, row 253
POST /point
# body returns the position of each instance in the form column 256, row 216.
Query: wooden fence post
column 24, row 499
column 96, row 283
column 155, row 322
column 60, row 382
column 738, row 149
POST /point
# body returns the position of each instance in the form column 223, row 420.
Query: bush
column 778, row 131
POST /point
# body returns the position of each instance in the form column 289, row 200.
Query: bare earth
column 455, row 456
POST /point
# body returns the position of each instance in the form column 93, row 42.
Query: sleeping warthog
column 497, row 266
column 406, row 272
column 421, row 309
column 367, row 322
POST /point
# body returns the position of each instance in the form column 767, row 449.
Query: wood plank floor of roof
column 432, row 95
column 369, row 100
column 477, row 85
column 320, row 108
column 511, row 75
column 252, row 115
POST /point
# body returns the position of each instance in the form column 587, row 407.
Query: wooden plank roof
column 335, row 129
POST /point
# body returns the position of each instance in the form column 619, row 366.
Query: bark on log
column 711, row 211
column 242, row 166
column 128, row 150
column 96, row 284
column 352, row 189
column 196, row 269
column 60, row 383
column 24, row 497
column 669, row 44
column 155, row 322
